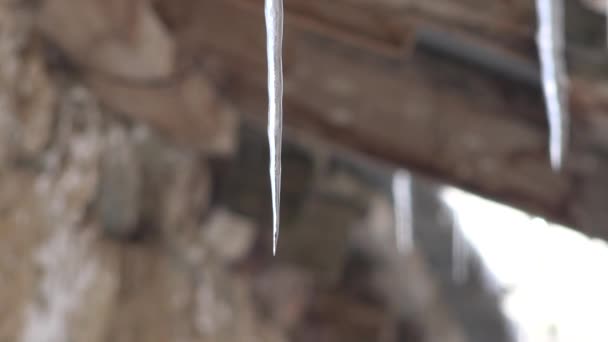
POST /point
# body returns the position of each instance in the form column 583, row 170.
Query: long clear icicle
column 550, row 40
column 273, row 11
column 402, row 201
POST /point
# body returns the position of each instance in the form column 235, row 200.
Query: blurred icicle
column 460, row 256
column 402, row 201
column 273, row 11
column 550, row 40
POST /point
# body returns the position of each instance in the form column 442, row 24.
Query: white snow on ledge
column 556, row 278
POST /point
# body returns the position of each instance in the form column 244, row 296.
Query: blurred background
column 134, row 188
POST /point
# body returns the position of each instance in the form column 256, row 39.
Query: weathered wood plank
column 423, row 111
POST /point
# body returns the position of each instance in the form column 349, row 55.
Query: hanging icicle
column 550, row 40
column 273, row 11
column 460, row 256
column 402, row 202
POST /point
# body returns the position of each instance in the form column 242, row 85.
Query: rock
column 120, row 186
column 70, row 174
column 37, row 99
column 224, row 310
column 154, row 299
column 61, row 279
column 121, row 47
column 318, row 240
column 27, row 97
column 188, row 109
column 285, row 293
column 59, row 263
column 187, row 195
column 123, row 39
column 186, row 198
column 8, row 139
column 75, row 290
column 22, row 225
column 338, row 317
column 176, row 186
column 162, row 299
column 228, row 235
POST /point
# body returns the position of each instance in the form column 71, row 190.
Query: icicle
column 460, row 256
column 273, row 10
column 402, row 201
column 550, row 40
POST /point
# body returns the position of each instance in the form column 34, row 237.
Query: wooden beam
column 424, row 111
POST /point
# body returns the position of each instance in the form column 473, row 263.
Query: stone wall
column 139, row 210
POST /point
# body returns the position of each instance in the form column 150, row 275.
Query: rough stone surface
column 228, row 235
column 131, row 228
column 188, row 109
column 125, row 39
column 120, row 188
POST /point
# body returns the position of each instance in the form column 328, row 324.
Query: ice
column 273, row 11
column 460, row 256
column 402, row 199
column 550, row 40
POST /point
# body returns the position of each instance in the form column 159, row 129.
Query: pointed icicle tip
column 558, row 137
column 551, row 41
column 275, row 241
column 556, row 160
column 273, row 12
column 402, row 207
